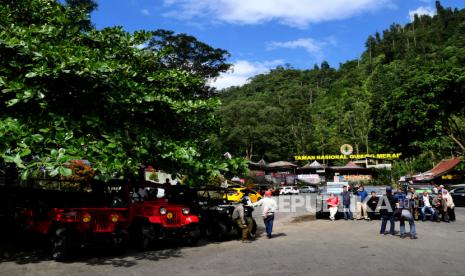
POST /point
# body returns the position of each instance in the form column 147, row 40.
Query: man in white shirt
column 426, row 207
column 269, row 207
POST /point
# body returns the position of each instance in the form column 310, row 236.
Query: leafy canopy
column 69, row 91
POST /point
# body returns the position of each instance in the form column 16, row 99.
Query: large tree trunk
column 457, row 142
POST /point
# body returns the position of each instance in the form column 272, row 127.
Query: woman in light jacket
column 450, row 204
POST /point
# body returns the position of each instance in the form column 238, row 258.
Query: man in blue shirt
column 361, row 204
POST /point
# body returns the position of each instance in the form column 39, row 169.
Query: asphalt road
column 300, row 246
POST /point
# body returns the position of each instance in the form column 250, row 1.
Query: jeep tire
column 62, row 244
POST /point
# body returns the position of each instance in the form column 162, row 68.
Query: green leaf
column 37, row 137
column 65, row 171
column 54, row 172
column 31, row 75
column 24, row 174
column 25, row 152
column 12, row 102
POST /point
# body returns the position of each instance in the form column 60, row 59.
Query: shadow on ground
column 27, row 250
column 303, row 218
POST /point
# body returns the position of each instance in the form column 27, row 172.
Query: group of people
column 269, row 207
column 364, row 203
column 402, row 206
column 439, row 207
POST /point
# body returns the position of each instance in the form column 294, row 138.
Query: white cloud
column 145, row 12
column 421, row 11
column 299, row 13
column 312, row 46
column 241, row 72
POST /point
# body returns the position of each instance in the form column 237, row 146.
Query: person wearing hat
column 269, row 207
column 441, row 187
column 387, row 207
column 238, row 216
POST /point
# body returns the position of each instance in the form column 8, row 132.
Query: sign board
column 335, row 187
column 309, row 178
column 346, row 149
column 351, row 156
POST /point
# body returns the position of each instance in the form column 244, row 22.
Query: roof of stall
column 349, row 166
column 443, row 167
column 314, row 165
column 282, row 164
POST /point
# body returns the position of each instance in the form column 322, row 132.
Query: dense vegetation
column 405, row 94
column 120, row 100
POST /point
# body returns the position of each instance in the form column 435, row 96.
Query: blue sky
column 261, row 34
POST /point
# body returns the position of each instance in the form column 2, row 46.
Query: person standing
column 238, row 216
column 372, row 205
column 346, row 204
column 358, row 206
column 362, row 207
column 333, row 202
column 449, row 204
column 387, row 212
column 269, row 207
column 405, row 214
column 426, row 207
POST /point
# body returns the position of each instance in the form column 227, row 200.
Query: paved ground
column 308, row 247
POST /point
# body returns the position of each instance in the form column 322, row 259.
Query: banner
column 352, row 156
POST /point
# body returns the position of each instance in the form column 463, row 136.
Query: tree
column 182, row 51
column 71, row 93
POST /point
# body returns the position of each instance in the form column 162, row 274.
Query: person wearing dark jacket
column 372, row 203
column 404, row 214
column 441, row 208
column 346, row 204
column 386, row 210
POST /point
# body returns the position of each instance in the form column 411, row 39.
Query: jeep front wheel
column 62, row 245
column 143, row 236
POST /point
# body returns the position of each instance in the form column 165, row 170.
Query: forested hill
column 405, row 94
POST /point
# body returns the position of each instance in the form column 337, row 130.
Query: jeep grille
column 101, row 223
column 175, row 219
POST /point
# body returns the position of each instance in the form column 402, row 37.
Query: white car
column 289, row 190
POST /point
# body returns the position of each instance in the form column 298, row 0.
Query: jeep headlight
column 114, row 218
column 162, row 211
column 185, row 211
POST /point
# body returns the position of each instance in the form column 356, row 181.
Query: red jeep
column 72, row 227
column 159, row 213
column 69, row 219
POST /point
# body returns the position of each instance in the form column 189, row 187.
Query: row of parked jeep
column 119, row 215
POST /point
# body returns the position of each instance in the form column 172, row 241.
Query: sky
column 263, row 34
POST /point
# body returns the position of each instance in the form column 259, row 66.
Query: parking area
column 301, row 246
